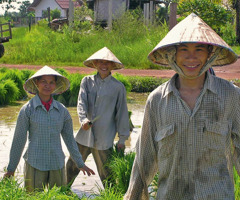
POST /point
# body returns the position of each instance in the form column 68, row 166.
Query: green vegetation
column 11, row 85
column 12, row 80
column 130, row 40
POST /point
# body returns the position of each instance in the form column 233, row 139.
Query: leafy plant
column 207, row 10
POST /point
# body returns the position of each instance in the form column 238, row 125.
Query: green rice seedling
column 145, row 84
column 75, row 80
column 9, row 92
column 26, row 74
column 108, row 193
column 237, row 185
column 16, row 76
column 120, row 165
column 12, row 189
column 124, row 81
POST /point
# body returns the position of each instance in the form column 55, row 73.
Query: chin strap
column 171, row 55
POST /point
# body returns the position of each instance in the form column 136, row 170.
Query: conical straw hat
column 104, row 54
column 190, row 30
column 62, row 83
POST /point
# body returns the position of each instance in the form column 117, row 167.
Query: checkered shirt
column 43, row 130
column 193, row 151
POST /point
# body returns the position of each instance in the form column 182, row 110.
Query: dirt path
column 228, row 72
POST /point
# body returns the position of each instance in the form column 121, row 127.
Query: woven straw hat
column 62, row 83
column 192, row 30
column 104, row 54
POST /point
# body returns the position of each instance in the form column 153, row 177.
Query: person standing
column 102, row 111
column 191, row 127
column 42, row 121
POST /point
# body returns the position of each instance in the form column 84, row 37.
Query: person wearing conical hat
column 102, row 111
column 190, row 134
column 42, row 120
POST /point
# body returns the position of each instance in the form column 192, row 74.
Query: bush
column 207, row 10
column 145, row 84
column 124, row 80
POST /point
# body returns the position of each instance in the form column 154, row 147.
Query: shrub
column 145, row 84
column 124, row 80
column 207, row 10
column 9, row 92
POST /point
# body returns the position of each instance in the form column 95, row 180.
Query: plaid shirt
column 192, row 150
column 44, row 151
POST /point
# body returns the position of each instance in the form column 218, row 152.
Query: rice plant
column 9, row 92
column 12, row 189
column 120, row 165
column 16, row 76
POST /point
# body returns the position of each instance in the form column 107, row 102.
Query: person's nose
column 191, row 55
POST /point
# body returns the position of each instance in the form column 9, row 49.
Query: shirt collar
column 107, row 79
column 209, row 84
column 37, row 102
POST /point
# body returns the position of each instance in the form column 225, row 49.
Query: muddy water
column 8, row 117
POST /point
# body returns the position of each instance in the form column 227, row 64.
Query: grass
column 130, row 40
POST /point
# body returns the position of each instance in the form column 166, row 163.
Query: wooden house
column 39, row 6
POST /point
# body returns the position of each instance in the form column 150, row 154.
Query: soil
column 228, row 72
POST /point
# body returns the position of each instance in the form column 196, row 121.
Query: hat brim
column 227, row 55
column 192, row 30
column 115, row 65
column 62, row 83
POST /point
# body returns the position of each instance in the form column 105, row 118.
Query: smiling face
column 46, row 85
column 191, row 57
column 104, row 67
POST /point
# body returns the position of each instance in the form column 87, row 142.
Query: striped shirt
column 193, row 151
column 43, row 130
column 105, row 98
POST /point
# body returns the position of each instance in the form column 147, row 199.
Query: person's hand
column 86, row 126
column 120, row 147
column 8, row 174
column 87, row 170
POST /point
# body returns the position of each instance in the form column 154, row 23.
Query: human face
column 46, row 85
column 104, row 67
column 191, row 57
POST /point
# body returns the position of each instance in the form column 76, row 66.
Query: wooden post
column 110, row 14
column 173, row 15
column 146, row 13
column 151, row 12
column 49, row 15
column 71, row 14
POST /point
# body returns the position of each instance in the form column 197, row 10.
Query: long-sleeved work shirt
column 43, row 130
column 193, row 151
column 105, row 99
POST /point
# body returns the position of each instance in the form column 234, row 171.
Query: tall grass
column 130, row 40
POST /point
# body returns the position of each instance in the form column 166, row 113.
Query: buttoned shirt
column 106, row 99
column 43, row 130
column 193, row 151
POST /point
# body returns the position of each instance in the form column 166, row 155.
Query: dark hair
column 39, row 77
